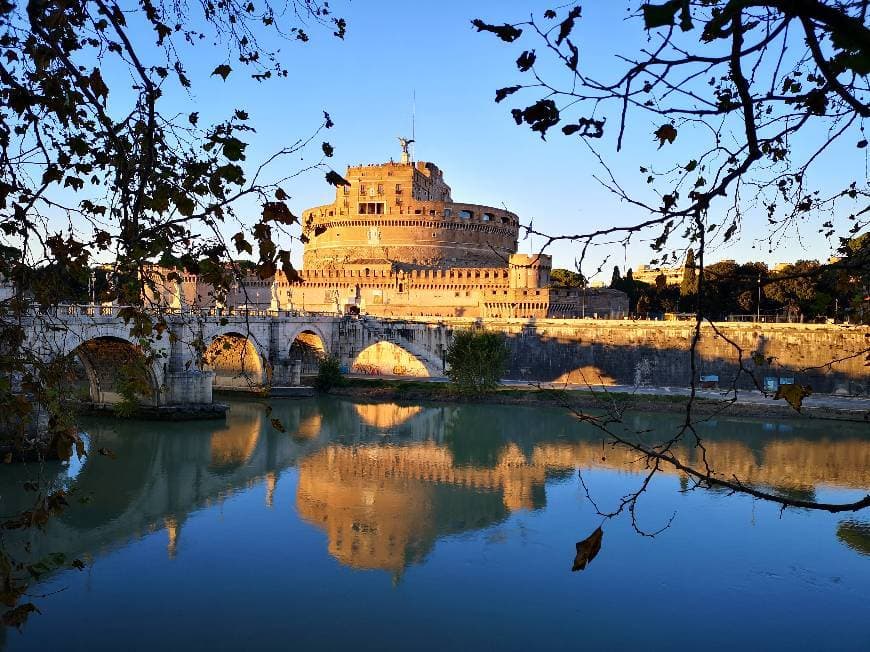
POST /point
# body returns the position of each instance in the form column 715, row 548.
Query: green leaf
column 266, row 269
column 567, row 25
column 335, row 179
column 660, row 15
column 665, row 133
column 502, row 93
column 526, row 60
column 277, row 211
column 98, row 86
column 231, row 173
column 234, row 149
column 184, row 204
column 242, row 244
column 223, row 70
column 506, row 32
column 794, row 394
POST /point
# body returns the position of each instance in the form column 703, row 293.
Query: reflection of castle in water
column 384, row 506
column 385, row 481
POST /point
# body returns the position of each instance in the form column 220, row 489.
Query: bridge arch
column 309, row 347
column 113, row 368
column 236, row 363
column 389, row 358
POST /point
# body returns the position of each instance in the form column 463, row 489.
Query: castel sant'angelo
column 394, row 243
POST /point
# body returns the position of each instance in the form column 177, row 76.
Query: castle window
column 371, row 208
column 447, row 212
column 487, row 217
column 380, row 189
column 398, row 188
column 466, row 214
column 362, row 189
column 432, row 212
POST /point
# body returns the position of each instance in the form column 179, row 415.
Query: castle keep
column 393, row 242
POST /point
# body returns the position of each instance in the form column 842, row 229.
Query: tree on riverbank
column 476, row 361
column 740, row 104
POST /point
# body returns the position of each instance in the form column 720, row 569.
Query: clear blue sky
column 395, row 48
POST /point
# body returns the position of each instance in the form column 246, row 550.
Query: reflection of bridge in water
column 385, row 482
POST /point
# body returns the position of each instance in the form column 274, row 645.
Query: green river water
column 442, row 527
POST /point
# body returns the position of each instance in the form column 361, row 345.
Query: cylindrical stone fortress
column 402, row 213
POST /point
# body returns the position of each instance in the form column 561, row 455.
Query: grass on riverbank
column 382, row 389
column 446, row 391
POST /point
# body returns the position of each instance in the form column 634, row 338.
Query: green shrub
column 477, row 361
column 328, row 374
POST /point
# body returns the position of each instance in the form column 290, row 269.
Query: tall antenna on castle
column 413, row 116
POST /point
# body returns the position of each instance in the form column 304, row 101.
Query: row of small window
column 377, row 208
column 366, row 190
column 467, row 215
column 371, row 208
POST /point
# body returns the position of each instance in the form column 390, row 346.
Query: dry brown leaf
column 588, row 549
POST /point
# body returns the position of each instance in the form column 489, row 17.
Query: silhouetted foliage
column 97, row 164
column 747, row 101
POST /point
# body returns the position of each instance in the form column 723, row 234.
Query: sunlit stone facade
column 394, row 243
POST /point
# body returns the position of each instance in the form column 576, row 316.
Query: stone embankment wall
column 830, row 358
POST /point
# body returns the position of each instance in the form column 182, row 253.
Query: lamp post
column 758, row 306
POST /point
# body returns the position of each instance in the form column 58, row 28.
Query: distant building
column 649, row 274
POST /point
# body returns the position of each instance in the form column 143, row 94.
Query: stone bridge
column 202, row 351
column 258, row 349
